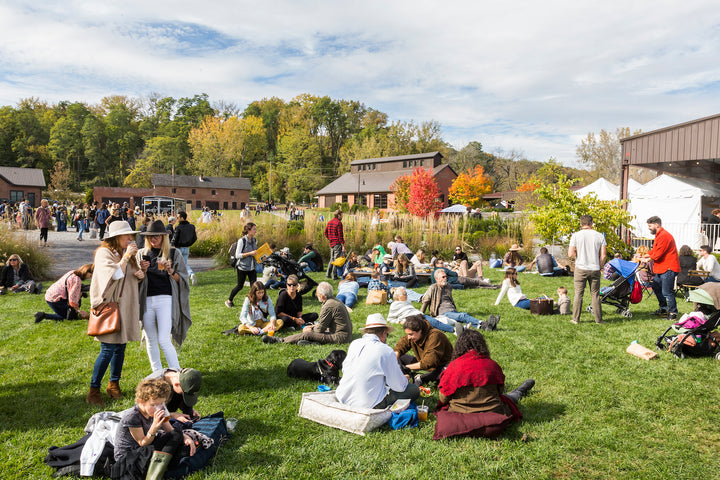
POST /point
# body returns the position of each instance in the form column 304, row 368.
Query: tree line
column 288, row 149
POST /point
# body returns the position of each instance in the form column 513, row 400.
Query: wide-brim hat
column 376, row 320
column 514, row 248
column 387, row 256
column 119, row 227
column 155, row 228
column 190, row 382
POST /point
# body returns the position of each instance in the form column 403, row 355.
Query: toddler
column 563, row 303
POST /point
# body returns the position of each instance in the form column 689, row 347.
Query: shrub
column 38, row 261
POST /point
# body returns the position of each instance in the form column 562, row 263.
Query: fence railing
column 706, row 234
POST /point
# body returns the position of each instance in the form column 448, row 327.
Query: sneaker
column 269, row 339
column 229, row 303
column 418, row 380
column 232, row 331
column 39, row 316
column 672, row 316
column 193, row 280
column 574, row 321
column 660, row 312
column 459, row 329
column 492, row 322
column 348, row 309
column 305, row 343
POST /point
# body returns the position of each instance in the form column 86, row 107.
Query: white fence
column 684, row 234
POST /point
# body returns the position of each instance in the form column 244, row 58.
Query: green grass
column 596, row 412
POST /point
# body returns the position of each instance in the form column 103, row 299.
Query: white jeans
column 157, row 324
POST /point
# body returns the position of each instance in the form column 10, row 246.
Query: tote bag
column 105, row 318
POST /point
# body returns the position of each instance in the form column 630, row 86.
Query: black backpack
column 231, row 251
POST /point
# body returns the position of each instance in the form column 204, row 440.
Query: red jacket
column 664, row 253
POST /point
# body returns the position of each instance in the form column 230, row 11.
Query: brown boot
column 95, row 397
column 113, row 390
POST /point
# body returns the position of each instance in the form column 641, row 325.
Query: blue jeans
column 524, row 303
column 439, row 325
column 185, row 252
column 462, row 317
column 348, row 298
column 663, row 286
column 81, row 228
column 311, row 267
column 112, row 354
column 60, row 308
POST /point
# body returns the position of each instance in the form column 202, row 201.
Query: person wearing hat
column 513, row 259
column 386, row 267
column 116, row 277
column 164, row 296
column 185, row 385
column 372, row 377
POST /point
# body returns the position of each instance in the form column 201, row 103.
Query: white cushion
column 323, row 408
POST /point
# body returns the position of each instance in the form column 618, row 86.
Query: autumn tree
column 601, row 153
column 469, row 187
column 60, row 179
column 424, row 195
column 401, row 189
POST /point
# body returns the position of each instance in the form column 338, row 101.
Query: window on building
column 225, row 205
column 404, row 163
column 31, row 199
column 362, row 200
column 174, row 190
column 193, row 191
column 232, row 193
column 198, row 204
column 373, row 166
column 344, row 198
column 213, row 192
column 16, row 196
column 234, row 205
column 380, row 200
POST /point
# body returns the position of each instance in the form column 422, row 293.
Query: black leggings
column 173, row 444
column 431, row 376
column 43, row 234
column 241, row 276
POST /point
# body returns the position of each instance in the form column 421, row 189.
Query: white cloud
column 530, row 76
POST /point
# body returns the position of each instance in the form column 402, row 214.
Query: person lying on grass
column 438, row 300
column 431, row 347
column 402, row 308
column 145, row 444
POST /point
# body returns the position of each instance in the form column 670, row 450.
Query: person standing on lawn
column 334, row 234
column 589, row 247
column 246, row 263
column 666, row 266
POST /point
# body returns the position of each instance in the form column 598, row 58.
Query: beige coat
column 106, row 264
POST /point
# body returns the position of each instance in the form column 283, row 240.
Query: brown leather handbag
column 105, row 318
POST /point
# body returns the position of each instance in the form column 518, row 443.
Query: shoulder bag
column 105, row 318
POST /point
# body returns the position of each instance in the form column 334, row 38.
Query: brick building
column 17, row 184
column 217, row 193
column 368, row 182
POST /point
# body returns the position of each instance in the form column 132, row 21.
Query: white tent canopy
column 455, row 209
column 680, row 203
column 603, row 190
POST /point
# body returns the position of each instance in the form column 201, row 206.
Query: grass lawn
column 595, row 412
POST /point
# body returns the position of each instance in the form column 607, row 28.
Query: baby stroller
column 290, row 267
column 618, row 294
column 695, row 335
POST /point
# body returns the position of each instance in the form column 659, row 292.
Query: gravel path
column 68, row 253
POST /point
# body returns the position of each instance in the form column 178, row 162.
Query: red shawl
column 470, row 369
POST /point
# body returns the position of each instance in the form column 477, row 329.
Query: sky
column 524, row 76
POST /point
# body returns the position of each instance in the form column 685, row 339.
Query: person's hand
column 255, row 330
column 144, row 264
column 299, row 321
column 158, row 419
column 131, row 248
column 180, row 417
column 253, row 253
column 190, row 443
column 83, row 314
column 196, row 414
column 307, row 328
column 139, row 274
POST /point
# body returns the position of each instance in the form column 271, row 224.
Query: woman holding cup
column 164, row 296
column 115, row 279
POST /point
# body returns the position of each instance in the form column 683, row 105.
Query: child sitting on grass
column 145, row 444
column 376, row 283
column 563, row 303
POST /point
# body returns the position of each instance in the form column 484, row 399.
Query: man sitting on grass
column 333, row 324
column 439, row 300
column 402, row 308
column 431, row 347
column 371, row 375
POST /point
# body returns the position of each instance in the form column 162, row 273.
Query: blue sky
column 530, row 77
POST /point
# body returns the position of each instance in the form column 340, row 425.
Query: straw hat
column 514, row 248
column 376, row 320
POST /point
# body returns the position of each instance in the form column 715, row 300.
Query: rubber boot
column 158, row 465
column 522, row 390
column 95, row 397
column 113, row 390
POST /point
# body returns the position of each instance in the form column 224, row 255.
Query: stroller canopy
column 624, row 268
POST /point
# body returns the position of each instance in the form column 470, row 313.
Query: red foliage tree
column 424, row 197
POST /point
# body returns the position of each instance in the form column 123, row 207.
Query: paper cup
column 422, row 412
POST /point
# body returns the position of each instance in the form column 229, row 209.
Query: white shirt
column 588, row 243
column 709, row 264
column 370, row 370
column 207, row 217
column 401, row 310
column 514, row 293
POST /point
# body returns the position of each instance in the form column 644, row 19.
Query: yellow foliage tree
column 469, row 187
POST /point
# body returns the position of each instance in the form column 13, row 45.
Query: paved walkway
column 68, row 253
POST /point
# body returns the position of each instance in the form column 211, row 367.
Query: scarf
column 470, row 369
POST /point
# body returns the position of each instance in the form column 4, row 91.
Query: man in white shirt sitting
column 709, row 263
column 371, row 374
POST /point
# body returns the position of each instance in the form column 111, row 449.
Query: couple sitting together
column 471, row 383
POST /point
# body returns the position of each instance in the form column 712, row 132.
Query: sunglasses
column 292, row 284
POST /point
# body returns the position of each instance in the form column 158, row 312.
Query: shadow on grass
column 234, row 380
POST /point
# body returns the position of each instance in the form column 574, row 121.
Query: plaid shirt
column 377, row 285
column 334, row 232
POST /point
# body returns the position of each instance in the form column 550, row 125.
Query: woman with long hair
column 257, row 316
column 65, row 295
column 511, row 287
column 513, row 258
column 164, row 296
column 245, row 266
column 405, row 271
column 115, row 278
column 688, row 262
column 348, row 289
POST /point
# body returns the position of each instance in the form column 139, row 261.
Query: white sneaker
column 349, row 309
column 193, row 280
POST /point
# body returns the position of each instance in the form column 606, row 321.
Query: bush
column 38, row 261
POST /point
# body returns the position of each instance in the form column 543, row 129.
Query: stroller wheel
column 717, row 356
column 627, row 314
column 589, row 309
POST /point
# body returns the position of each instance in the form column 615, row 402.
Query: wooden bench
column 685, row 288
